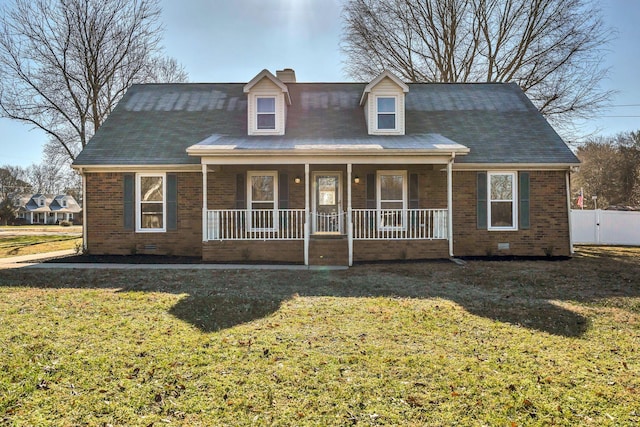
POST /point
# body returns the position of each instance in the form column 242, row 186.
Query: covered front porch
column 318, row 202
column 326, row 214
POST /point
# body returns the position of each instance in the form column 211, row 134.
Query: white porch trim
column 349, row 215
column 307, row 220
column 205, row 233
column 450, row 204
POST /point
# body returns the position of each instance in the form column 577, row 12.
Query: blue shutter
column 414, row 192
column 481, row 205
column 283, row 191
column 241, row 201
column 371, row 191
column 523, row 208
column 129, row 196
column 172, row 201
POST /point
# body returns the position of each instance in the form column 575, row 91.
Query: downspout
column 204, row 203
column 307, row 225
column 84, row 211
column 450, row 203
column 349, row 225
column 568, row 183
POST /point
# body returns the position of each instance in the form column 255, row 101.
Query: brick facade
column 257, row 251
column 104, row 201
column 548, row 233
column 390, row 250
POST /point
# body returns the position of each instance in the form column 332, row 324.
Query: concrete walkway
column 35, row 261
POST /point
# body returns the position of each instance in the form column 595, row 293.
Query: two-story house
column 326, row 173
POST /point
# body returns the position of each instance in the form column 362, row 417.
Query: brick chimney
column 286, row 76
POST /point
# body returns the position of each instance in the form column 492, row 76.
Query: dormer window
column 41, row 202
column 386, row 112
column 267, row 100
column 383, row 104
column 64, row 203
column 266, row 111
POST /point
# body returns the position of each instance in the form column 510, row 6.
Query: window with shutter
column 501, row 201
column 151, row 200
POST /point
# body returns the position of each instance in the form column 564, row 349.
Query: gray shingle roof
column 156, row 123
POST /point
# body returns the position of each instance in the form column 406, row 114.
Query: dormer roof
column 385, row 74
column 268, row 75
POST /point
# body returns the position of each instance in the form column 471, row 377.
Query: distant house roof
column 155, row 124
column 62, row 203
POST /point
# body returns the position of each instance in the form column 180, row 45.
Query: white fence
column 605, row 227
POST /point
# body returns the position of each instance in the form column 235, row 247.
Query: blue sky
column 231, row 41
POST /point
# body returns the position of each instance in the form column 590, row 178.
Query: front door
column 328, row 216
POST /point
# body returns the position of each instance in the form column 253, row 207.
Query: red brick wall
column 328, row 251
column 549, row 231
column 105, row 222
column 221, row 185
column 232, row 251
column 388, row 250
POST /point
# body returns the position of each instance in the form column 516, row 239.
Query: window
column 266, row 113
column 386, row 113
column 41, row 202
column 502, row 197
column 64, row 203
column 150, row 198
column 392, row 200
column 262, row 200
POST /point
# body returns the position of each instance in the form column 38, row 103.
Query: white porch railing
column 242, row 224
column 368, row 224
column 329, row 222
column 387, row 224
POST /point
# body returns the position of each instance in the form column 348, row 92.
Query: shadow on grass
column 214, row 313
column 539, row 295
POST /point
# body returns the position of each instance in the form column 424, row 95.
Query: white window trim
column 405, row 192
column 138, row 187
column 514, row 201
column 396, row 113
column 275, row 113
column 251, row 174
column 253, row 121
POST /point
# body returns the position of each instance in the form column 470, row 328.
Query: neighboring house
column 326, row 173
column 43, row 209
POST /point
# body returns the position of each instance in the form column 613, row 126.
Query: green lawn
column 35, row 244
column 491, row 343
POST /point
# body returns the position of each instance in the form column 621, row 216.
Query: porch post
column 349, row 224
column 204, row 203
column 85, row 245
column 450, row 204
column 568, row 185
column 307, row 216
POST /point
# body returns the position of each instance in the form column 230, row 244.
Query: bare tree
column 552, row 48
column 610, row 169
column 64, row 64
